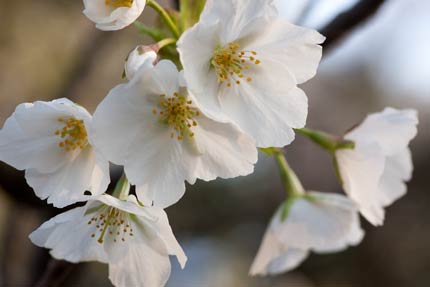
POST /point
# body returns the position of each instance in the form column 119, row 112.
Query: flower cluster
column 238, row 91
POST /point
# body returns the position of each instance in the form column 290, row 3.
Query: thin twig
column 347, row 21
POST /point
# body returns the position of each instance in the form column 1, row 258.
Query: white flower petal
column 68, row 184
column 398, row 169
column 158, row 173
column 198, row 74
column 361, row 170
column 287, row 261
column 133, row 208
column 325, row 223
column 236, row 15
column 69, row 237
column 268, row 117
column 142, row 266
column 100, row 177
column 166, row 234
column 114, row 126
column 294, row 48
column 274, row 257
column 224, row 151
column 392, row 129
column 28, row 138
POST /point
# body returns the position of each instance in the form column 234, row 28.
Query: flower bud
column 140, row 56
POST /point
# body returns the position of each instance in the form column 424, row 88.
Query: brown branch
column 347, row 21
column 55, row 273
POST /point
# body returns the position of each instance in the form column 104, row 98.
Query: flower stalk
column 166, row 42
column 291, row 182
column 165, row 16
column 329, row 142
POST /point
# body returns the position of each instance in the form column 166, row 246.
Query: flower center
column 113, row 222
column 178, row 113
column 73, row 135
column 119, row 3
column 230, row 62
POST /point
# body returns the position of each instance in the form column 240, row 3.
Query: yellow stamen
column 179, row 113
column 229, row 63
column 73, row 134
column 111, row 222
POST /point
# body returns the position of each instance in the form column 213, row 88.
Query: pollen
column 113, row 223
column 73, row 135
column 119, row 3
column 230, row 62
column 179, row 113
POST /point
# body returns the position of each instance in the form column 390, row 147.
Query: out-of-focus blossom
column 375, row 171
column 318, row 222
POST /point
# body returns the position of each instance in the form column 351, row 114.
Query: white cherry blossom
column 375, row 171
column 244, row 63
column 318, row 222
column 135, row 241
column 153, row 127
column 112, row 15
column 52, row 142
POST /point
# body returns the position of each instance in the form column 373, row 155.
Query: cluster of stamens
column 73, row 134
column 113, row 222
column 119, row 3
column 178, row 113
column 230, row 62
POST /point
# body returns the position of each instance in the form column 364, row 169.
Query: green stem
column 165, row 16
column 327, row 141
column 291, row 183
column 122, row 188
column 166, row 42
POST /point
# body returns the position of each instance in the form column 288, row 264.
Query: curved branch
column 347, row 21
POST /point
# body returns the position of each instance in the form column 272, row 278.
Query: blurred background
column 48, row 49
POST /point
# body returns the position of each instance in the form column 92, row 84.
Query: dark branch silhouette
column 347, row 21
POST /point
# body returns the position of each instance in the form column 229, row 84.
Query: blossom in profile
column 154, row 128
column 51, row 141
column 317, row 222
column 247, row 67
column 375, row 171
column 112, row 15
column 135, row 241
